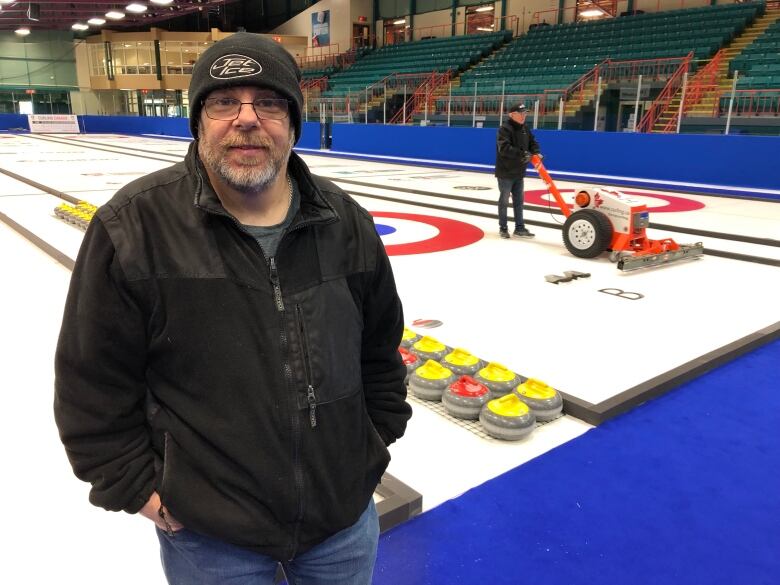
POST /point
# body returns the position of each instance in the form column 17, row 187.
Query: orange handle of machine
column 536, row 160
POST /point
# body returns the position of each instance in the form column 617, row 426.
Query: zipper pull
column 312, row 406
column 277, row 288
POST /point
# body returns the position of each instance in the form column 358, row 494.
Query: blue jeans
column 346, row 558
column 505, row 187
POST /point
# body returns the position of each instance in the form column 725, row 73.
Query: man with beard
column 228, row 362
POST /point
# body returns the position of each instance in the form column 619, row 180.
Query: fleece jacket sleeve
column 505, row 146
column 99, row 380
column 382, row 367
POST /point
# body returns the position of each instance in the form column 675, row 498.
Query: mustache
column 253, row 141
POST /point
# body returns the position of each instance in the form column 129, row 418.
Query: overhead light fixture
column 485, row 8
column 79, row 26
column 162, row 2
column 22, row 31
column 400, row 21
column 591, row 12
column 115, row 15
column 135, row 8
column 96, row 21
column 485, row 28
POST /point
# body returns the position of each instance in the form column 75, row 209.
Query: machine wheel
column 587, row 233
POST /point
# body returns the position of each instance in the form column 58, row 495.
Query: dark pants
column 515, row 187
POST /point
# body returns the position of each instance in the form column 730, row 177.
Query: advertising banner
column 320, row 28
column 53, row 123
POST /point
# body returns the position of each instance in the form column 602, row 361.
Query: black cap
column 246, row 59
column 518, row 108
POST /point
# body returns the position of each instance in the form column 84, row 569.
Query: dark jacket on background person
column 257, row 396
column 513, row 145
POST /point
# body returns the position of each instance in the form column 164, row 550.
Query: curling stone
column 499, row 379
column 543, row 400
column 408, row 338
column 465, row 398
column 462, row 363
column 411, row 361
column 428, row 348
column 507, row 418
column 430, row 380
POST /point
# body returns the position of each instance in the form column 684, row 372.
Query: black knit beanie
column 246, row 59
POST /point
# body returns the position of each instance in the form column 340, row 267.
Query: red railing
column 654, row 69
column 464, row 105
column 704, row 82
column 663, row 100
column 578, row 89
column 424, row 96
column 511, row 23
column 324, row 56
column 422, row 88
column 550, row 15
column 748, row 102
column 320, row 83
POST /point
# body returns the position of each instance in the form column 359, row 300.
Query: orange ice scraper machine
column 604, row 220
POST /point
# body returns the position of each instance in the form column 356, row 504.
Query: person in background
column 514, row 146
column 228, row 362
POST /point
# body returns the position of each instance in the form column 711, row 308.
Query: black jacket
column 513, row 144
column 257, row 397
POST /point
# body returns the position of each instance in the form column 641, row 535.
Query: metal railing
column 663, row 100
column 748, row 102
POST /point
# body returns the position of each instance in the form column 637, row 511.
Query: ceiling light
column 22, row 31
column 401, row 21
column 484, row 9
column 96, row 21
column 115, row 14
column 79, row 26
column 486, row 28
column 162, row 2
column 135, row 8
column 591, row 12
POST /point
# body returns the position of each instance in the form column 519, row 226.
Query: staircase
column 572, row 106
column 707, row 104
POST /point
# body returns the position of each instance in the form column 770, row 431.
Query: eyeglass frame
column 241, row 104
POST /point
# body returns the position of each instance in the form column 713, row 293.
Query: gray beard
column 245, row 179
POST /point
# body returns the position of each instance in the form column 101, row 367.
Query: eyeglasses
column 225, row 108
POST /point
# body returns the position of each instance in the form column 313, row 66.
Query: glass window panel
column 6, row 102
column 170, row 55
column 145, row 59
column 189, row 54
column 131, row 59
column 393, row 8
column 118, row 57
column 97, row 59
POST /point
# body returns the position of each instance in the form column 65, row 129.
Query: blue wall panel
column 13, row 122
column 310, row 135
column 136, row 125
column 741, row 161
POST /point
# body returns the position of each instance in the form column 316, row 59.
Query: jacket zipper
column 277, row 288
column 295, row 424
column 310, row 397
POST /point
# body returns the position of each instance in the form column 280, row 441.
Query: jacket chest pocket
column 326, row 354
